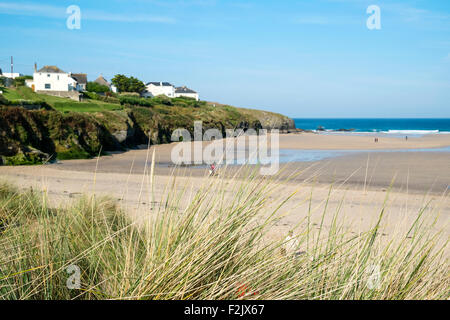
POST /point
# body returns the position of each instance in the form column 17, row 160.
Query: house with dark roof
column 81, row 79
column 186, row 92
column 154, row 89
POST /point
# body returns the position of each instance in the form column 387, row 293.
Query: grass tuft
column 212, row 244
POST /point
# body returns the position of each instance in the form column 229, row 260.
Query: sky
column 304, row 59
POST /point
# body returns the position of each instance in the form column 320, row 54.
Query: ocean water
column 297, row 155
column 384, row 126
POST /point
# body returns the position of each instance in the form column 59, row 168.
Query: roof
column 184, row 90
column 158, row 84
column 81, row 78
column 102, row 81
column 51, row 69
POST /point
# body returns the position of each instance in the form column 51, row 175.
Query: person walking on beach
column 212, row 170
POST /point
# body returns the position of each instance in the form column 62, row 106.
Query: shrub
column 20, row 81
column 96, row 87
column 3, row 100
column 95, row 96
column 135, row 101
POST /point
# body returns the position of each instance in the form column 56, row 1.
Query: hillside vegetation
column 65, row 129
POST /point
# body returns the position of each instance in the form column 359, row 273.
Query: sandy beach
column 360, row 183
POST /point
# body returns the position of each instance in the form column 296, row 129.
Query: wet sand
column 402, row 169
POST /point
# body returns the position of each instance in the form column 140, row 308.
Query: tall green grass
column 208, row 244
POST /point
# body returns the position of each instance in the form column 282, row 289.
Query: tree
column 96, row 87
column 136, row 85
column 125, row 84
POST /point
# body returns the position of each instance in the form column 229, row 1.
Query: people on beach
column 212, row 169
column 376, row 140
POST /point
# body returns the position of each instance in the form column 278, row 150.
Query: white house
column 186, row 92
column 51, row 78
column 158, row 88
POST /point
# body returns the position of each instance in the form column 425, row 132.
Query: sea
column 397, row 127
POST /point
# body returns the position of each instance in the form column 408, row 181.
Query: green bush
column 162, row 99
column 22, row 159
column 98, row 97
column 20, row 81
column 96, row 87
column 134, row 101
column 3, row 100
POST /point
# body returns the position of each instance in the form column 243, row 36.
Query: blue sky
column 301, row 58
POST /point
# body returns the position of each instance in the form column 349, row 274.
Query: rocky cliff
column 36, row 136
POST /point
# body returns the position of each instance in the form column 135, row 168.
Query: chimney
column 35, row 67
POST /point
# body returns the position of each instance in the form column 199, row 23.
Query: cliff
column 36, row 136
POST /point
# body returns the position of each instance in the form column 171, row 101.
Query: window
column 58, row 77
column 48, row 75
column 48, row 86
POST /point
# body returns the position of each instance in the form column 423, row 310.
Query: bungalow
column 159, row 88
column 186, row 92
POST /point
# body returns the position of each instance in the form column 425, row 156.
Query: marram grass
column 209, row 244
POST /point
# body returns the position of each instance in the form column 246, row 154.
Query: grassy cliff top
column 67, row 129
column 176, row 106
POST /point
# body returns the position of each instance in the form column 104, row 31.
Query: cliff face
column 270, row 120
column 35, row 136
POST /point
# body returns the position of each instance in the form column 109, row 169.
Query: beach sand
column 361, row 183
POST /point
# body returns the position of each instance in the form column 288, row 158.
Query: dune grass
column 209, row 244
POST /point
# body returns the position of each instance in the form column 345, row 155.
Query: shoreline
column 319, row 141
column 361, row 183
column 417, row 171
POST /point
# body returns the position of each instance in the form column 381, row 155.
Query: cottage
column 159, row 88
column 186, row 92
column 53, row 81
column 51, row 78
column 81, row 79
